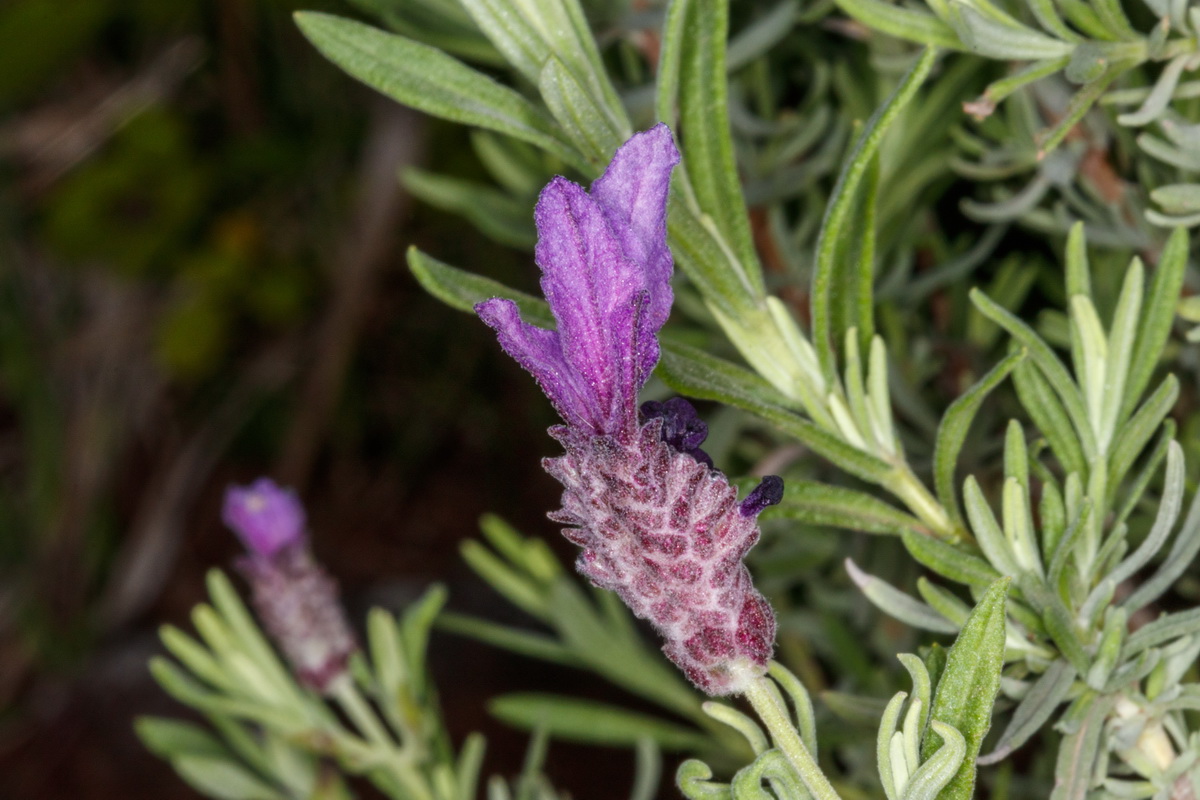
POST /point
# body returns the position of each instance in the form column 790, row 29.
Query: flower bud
column 294, row 597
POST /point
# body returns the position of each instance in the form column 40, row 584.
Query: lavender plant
column 1049, row 563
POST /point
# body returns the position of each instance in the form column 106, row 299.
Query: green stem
column 767, row 705
column 908, row 488
column 392, row 759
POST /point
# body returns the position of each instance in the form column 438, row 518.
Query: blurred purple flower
column 294, row 597
column 265, row 517
column 656, row 523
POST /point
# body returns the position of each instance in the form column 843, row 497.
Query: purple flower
column 294, row 597
column 265, row 517
column 657, row 524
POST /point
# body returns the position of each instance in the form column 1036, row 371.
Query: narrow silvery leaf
column 990, row 37
column 940, row 768
column 463, row 290
column 194, row 656
column 821, row 504
column 1047, row 363
column 167, row 738
column 1034, row 710
column 903, row 23
column 577, row 720
column 1091, row 371
column 528, row 32
column 1109, row 649
column 1016, row 454
column 1178, row 198
column 431, row 81
column 1156, row 317
column 1120, row 348
column 897, row 604
column 707, row 144
column 1073, row 774
column 952, row 431
column 1018, row 527
column 743, row 724
column 968, row 685
column 880, row 407
column 1168, row 512
column 1163, row 629
column 697, row 374
column 843, row 201
column 223, row 779
column 922, row 685
column 584, row 120
column 1181, row 555
column 942, row 601
column 988, row 532
column 1141, row 427
column 415, row 626
column 949, row 560
column 883, row 748
column 1156, row 102
column 693, row 779
column 1051, row 418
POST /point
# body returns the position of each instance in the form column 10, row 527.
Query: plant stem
column 393, row 760
column 788, row 740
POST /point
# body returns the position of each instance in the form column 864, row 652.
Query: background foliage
column 182, row 264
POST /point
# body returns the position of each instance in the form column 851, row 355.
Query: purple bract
column 657, row 524
column 265, row 517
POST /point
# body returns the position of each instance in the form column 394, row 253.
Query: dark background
column 202, row 280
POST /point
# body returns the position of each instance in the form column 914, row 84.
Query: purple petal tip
column 767, row 493
column 264, row 516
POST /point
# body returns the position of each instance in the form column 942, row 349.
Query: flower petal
column 597, row 296
column 539, row 352
column 632, row 193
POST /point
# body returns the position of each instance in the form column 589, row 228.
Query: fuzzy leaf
column 968, row 686
column 591, row 722
column 429, row 80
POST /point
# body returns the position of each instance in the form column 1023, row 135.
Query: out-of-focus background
column 202, row 280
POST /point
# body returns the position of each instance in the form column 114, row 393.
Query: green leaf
column 1139, row 429
column 525, row 643
column 821, row 504
column 429, row 80
column 1183, row 552
column 1034, row 710
column 169, row 738
column 897, row 604
column 595, row 133
column 1047, row 363
column 952, row 431
column 462, row 290
column 968, row 686
column 587, row 721
column 708, row 155
column 1051, row 418
column 902, row 22
column 497, row 215
column 695, row 373
column 414, row 631
column 949, row 560
column 1158, row 314
column 1078, row 751
column 1162, row 630
column 837, row 213
column 223, row 779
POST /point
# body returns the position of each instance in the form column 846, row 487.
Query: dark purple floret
column 682, row 427
column 767, row 493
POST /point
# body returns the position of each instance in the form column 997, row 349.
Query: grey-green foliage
column 843, row 159
column 271, row 739
column 1066, row 57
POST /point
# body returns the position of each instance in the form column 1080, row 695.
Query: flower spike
column 656, row 523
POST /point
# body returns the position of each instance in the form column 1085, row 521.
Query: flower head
column 265, row 517
column 606, row 272
column 656, row 523
column 294, row 597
